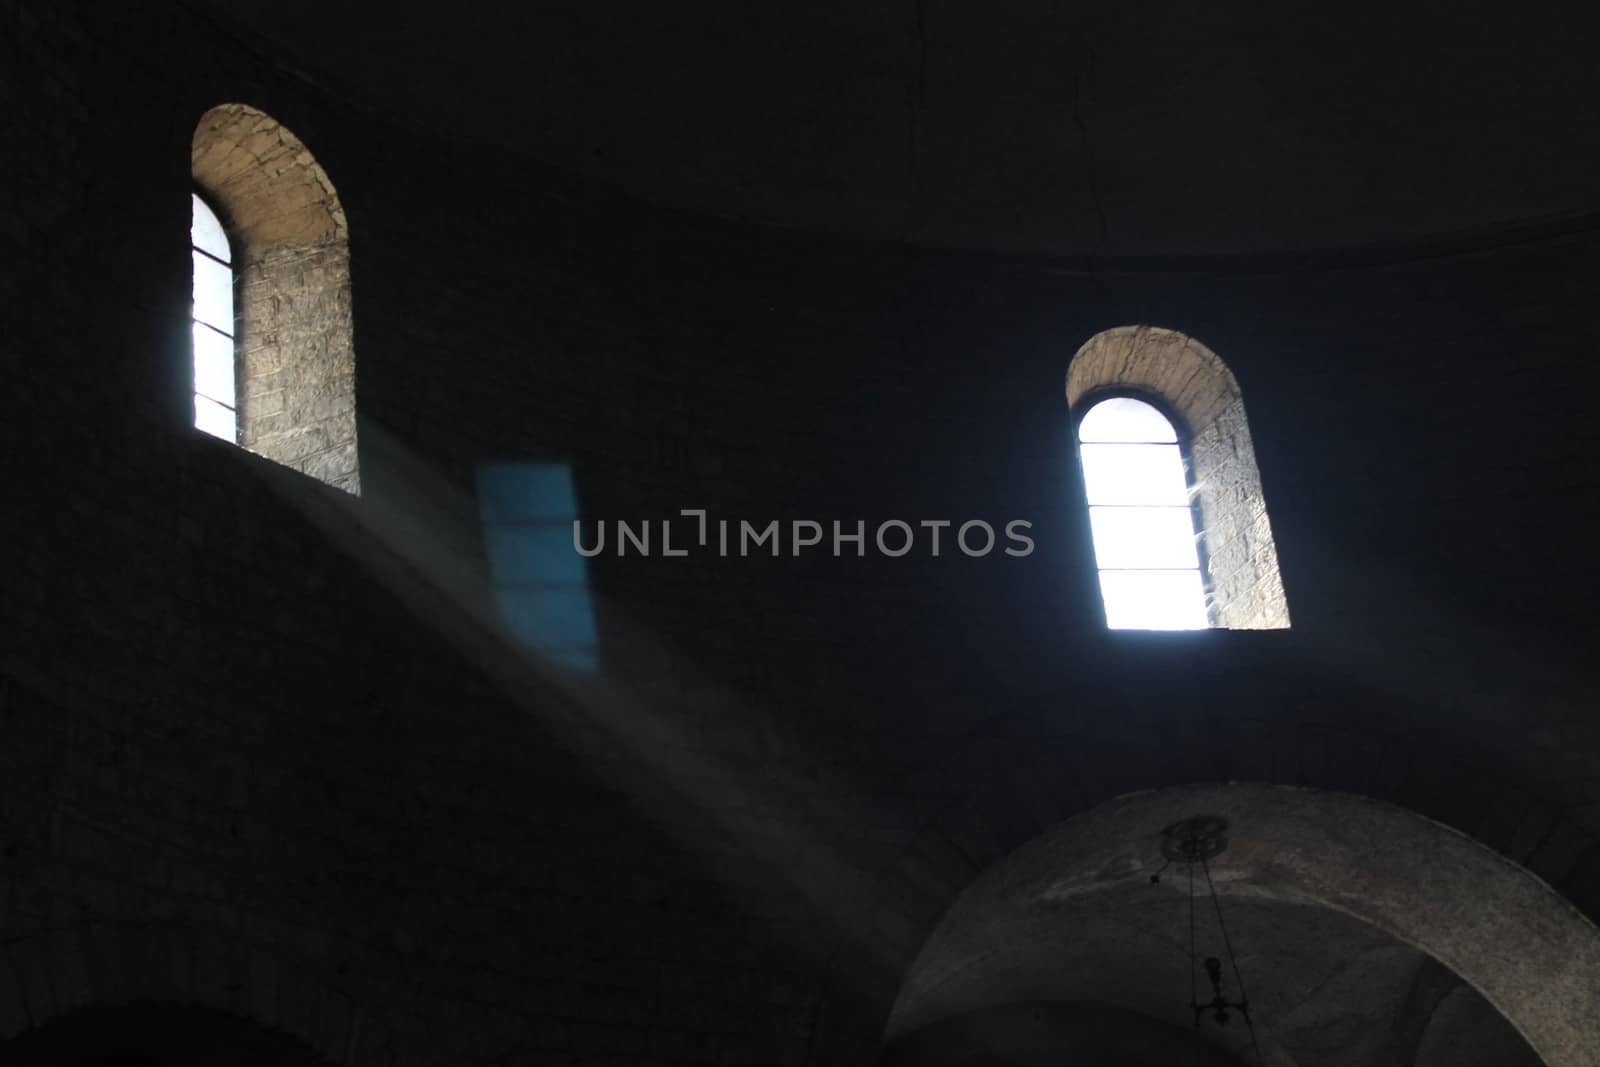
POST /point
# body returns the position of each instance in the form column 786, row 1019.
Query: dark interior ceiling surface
column 1117, row 129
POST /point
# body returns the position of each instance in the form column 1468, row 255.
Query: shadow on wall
column 155, row 1035
column 541, row 583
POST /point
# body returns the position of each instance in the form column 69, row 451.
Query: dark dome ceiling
column 1118, row 129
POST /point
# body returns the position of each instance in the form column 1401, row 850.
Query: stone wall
column 267, row 747
column 297, row 402
column 1241, row 557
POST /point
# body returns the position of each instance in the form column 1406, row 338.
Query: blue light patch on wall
column 540, row 582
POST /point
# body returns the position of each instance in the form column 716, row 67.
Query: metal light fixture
column 1195, row 842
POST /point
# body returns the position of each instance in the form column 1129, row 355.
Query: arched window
column 1141, row 516
column 286, row 387
column 216, row 401
column 1177, row 512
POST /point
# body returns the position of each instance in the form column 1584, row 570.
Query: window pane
column 1154, row 600
column 1134, row 474
column 215, row 419
column 206, row 232
column 213, row 364
column 1122, row 418
column 1143, row 537
column 213, row 293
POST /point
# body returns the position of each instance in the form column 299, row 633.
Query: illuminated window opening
column 216, row 398
column 1141, row 516
column 274, row 338
column 1202, row 407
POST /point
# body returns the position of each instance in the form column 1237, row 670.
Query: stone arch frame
column 1504, row 931
column 1196, row 390
column 295, row 349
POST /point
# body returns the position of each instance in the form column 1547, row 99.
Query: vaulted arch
column 1330, row 898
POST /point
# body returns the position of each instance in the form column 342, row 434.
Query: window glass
column 206, row 233
column 1135, row 474
column 213, row 293
column 1128, row 419
column 1154, row 600
column 215, row 390
column 213, row 364
column 1139, row 538
column 216, row 419
column 1139, row 515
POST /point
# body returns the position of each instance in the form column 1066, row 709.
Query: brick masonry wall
column 264, row 746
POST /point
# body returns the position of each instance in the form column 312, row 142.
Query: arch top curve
column 1191, row 378
column 266, row 179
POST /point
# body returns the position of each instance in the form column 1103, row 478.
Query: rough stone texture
column 1241, row 562
column 1241, row 559
column 264, row 745
column 1460, row 1032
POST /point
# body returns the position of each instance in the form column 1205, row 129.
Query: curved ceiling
column 1116, row 129
column 1356, row 952
column 1110, row 973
